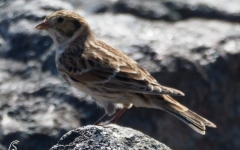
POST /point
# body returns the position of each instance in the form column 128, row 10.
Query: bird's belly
column 97, row 93
column 100, row 95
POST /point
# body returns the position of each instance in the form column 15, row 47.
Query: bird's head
column 64, row 26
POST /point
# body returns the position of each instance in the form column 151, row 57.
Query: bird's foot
column 103, row 123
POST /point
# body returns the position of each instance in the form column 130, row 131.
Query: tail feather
column 206, row 122
column 193, row 120
column 195, row 124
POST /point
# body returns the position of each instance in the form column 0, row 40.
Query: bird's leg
column 99, row 121
column 117, row 115
column 112, row 119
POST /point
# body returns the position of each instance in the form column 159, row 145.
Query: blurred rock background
column 192, row 45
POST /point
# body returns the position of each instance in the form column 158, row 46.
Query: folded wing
column 108, row 68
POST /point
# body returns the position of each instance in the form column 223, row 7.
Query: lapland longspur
column 108, row 75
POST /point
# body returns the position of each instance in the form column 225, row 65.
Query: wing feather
column 113, row 70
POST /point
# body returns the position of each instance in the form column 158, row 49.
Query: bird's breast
column 58, row 54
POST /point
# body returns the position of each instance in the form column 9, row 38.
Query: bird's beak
column 43, row 26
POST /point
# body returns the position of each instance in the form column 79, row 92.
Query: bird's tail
column 195, row 121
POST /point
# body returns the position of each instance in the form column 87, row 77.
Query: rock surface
column 107, row 138
column 192, row 45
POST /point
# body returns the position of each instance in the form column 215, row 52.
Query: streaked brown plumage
column 112, row 78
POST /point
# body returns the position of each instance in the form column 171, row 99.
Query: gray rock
column 110, row 137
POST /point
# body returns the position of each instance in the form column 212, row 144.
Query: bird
column 113, row 80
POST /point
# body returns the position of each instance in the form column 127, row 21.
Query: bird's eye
column 60, row 20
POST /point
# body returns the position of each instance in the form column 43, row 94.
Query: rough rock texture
column 107, row 138
column 192, row 45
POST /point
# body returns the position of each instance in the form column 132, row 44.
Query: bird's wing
column 103, row 66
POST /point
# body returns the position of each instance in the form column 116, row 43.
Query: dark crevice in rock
column 31, row 139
